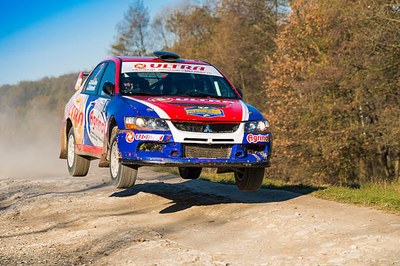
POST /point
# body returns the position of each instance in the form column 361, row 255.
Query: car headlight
column 146, row 123
column 256, row 126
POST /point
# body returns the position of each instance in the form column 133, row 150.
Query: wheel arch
column 105, row 153
column 66, row 126
column 113, row 123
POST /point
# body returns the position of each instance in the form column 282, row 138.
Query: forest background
column 325, row 73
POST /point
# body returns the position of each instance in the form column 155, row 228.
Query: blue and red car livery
column 163, row 110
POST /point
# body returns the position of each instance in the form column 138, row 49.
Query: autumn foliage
column 333, row 92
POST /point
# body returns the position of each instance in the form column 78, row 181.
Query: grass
column 385, row 197
column 228, row 178
column 379, row 196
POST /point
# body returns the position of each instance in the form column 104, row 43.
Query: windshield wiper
column 142, row 93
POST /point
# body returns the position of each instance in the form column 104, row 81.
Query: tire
column 189, row 172
column 249, row 179
column 77, row 165
column 122, row 176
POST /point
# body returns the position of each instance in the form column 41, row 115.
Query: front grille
column 206, row 140
column 207, row 151
column 206, row 128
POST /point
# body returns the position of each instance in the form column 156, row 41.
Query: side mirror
column 240, row 91
column 108, row 88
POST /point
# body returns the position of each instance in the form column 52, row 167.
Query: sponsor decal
column 203, row 100
column 153, row 137
column 129, row 137
column 161, row 99
column 95, row 123
column 204, row 111
column 139, row 66
column 164, row 66
column 257, row 138
column 169, row 67
column 92, row 85
column 77, row 115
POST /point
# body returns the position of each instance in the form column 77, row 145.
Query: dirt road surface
column 164, row 220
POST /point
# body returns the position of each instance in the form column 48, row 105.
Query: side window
column 94, row 79
column 109, row 76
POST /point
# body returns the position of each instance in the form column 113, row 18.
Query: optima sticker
column 204, row 111
column 95, row 125
column 257, row 138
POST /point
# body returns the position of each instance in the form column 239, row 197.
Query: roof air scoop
column 167, row 56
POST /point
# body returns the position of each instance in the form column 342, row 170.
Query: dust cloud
column 29, row 143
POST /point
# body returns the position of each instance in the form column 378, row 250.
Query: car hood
column 191, row 108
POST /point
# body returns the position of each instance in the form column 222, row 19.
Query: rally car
column 163, row 111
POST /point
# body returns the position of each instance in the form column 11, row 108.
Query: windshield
column 175, row 84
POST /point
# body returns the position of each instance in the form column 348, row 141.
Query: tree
column 133, row 31
column 235, row 35
column 193, row 27
column 334, row 89
column 243, row 39
column 161, row 31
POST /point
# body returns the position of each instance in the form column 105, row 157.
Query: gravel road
column 164, row 220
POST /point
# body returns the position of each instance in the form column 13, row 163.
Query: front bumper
column 212, row 163
column 159, row 148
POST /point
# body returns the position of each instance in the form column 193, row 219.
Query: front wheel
column 249, row 179
column 77, row 165
column 122, row 176
column 189, row 172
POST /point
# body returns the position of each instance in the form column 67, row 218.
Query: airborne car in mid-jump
column 163, row 111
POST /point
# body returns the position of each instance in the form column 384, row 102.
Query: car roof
column 157, row 60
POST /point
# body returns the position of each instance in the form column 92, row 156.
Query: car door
column 87, row 100
column 79, row 105
column 96, row 117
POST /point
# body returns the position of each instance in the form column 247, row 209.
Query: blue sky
column 41, row 38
